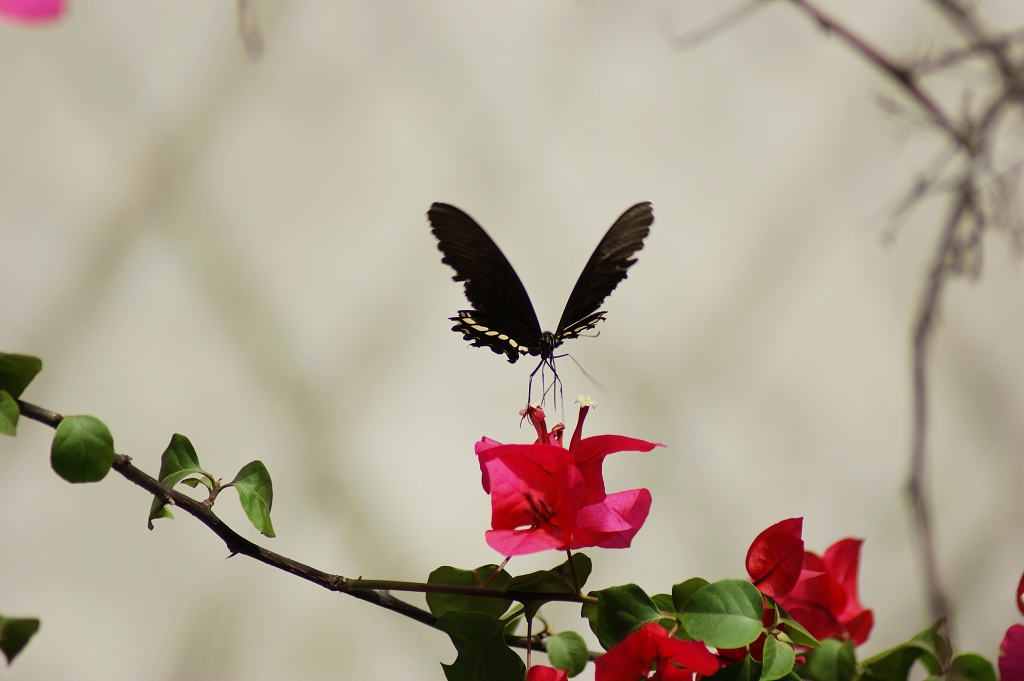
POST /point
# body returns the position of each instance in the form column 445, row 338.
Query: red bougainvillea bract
column 545, row 496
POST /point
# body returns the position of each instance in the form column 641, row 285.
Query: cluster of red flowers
column 545, row 496
column 819, row 592
column 652, row 647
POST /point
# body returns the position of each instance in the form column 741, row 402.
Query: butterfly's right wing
column 502, row 317
column 605, row 269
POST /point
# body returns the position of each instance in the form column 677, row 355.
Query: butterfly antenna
column 590, row 378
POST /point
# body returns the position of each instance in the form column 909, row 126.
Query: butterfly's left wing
column 605, row 269
column 502, row 317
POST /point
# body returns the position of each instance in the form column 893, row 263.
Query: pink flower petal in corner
column 32, row 11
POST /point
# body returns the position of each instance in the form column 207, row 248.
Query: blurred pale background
column 238, row 251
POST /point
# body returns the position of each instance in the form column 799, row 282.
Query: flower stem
column 575, row 579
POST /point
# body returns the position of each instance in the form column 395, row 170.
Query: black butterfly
column 502, row 317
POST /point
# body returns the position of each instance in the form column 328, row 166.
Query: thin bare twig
column 722, row 23
column 924, row 327
column 964, row 20
column 249, row 29
column 956, row 57
column 904, row 77
column 371, row 591
column 972, row 140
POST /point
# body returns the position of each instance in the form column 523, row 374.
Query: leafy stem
column 376, row 592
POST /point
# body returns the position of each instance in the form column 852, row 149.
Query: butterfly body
column 503, row 318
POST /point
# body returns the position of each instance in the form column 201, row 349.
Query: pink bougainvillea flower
column 1011, row 650
column 544, row 496
column 651, row 647
column 1011, row 654
column 535, row 493
column 1020, row 595
column 32, row 11
column 541, row 673
column 824, row 597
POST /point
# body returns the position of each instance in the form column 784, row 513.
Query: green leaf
column 557, row 580
column 725, row 614
column 664, row 603
column 17, row 371
column 833, row 660
column 541, row 582
column 82, row 449
column 584, row 566
column 513, row 618
column 940, row 651
column 777, row 660
column 971, row 667
column 15, row 634
column 8, row 414
column 620, row 610
column 158, row 509
column 177, row 462
column 683, row 592
column 568, row 650
column 796, row 635
column 483, row 654
column 256, row 494
column 439, row 604
column 893, row 664
column 747, row 670
column 928, row 646
column 206, row 481
column 794, row 632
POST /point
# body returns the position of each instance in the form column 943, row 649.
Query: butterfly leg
column 554, row 388
column 529, row 387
